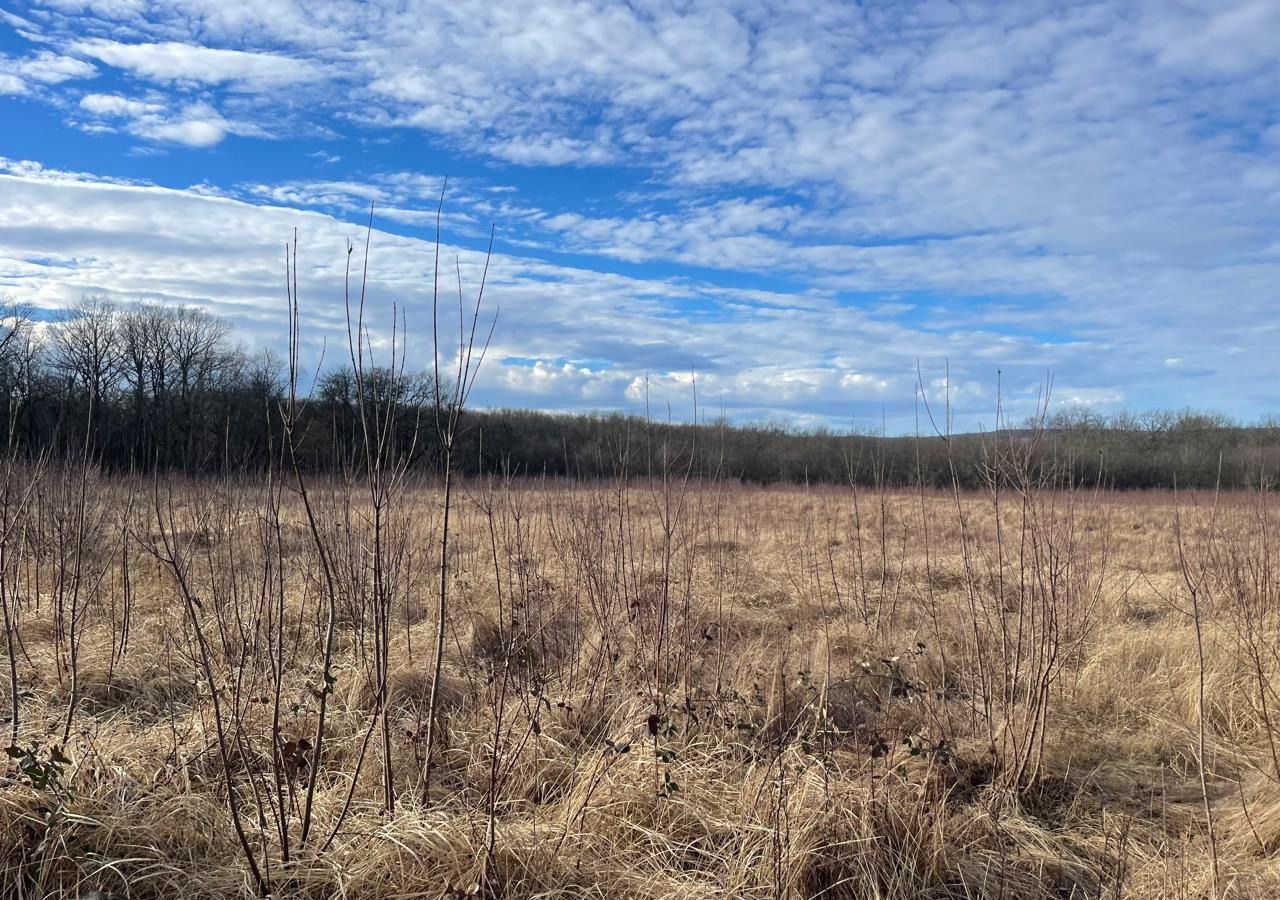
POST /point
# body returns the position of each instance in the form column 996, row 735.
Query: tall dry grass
column 672, row 688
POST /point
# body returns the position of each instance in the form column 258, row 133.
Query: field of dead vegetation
column 666, row 689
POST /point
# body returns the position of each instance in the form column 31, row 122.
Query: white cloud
column 171, row 61
column 1232, row 38
column 18, row 74
column 197, row 128
column 53, row 68
column 116, row 105
column 545, row 379
column 195, row 125
column 1089, row 398
column 404, row 197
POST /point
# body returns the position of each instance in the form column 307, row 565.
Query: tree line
column 152, row 387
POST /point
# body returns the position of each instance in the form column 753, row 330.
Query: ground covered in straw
column 661, row 690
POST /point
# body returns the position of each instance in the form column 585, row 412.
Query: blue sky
column 796, row 203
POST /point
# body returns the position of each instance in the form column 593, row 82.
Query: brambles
column 40, row 768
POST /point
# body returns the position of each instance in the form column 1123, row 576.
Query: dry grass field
column 673, row 689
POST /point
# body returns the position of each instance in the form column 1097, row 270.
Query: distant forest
column 146, row 388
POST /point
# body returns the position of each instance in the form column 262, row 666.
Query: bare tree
column 14, row 320
column 142, row 331
column 199, row 359
column 86, row 349
column 20, row 347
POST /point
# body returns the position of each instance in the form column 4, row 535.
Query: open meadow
column 660, row 450
column 660, row 689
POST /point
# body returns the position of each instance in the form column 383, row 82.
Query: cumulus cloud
column 544, row 380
